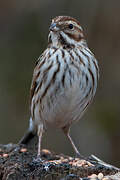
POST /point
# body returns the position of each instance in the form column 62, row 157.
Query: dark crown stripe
column 66, row 18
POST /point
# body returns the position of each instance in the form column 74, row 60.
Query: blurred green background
column 23, row 36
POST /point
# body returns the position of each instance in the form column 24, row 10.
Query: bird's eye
column 70, row 26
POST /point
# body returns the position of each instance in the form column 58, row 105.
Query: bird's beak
column 53, row 27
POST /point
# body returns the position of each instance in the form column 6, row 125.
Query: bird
column 64, row 81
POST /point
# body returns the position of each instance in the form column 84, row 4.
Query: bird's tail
column 29, row 135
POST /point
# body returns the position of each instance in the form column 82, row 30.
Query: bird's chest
column 66, row 90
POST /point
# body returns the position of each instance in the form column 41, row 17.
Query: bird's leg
column 39, row 132
column 66, row 131
column 38, row 159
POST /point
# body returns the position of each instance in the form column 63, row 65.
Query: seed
column 23, row 150
column 100, row 176
column 5, row 155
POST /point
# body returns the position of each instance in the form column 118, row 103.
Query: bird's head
column 66, row 31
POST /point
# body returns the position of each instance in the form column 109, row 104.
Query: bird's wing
column 35, row 76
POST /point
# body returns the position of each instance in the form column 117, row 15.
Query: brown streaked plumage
column 65, row 18
column 64, row 80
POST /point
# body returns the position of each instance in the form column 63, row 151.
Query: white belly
column 62, row 108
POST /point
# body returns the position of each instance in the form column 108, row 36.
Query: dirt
column 19, row 162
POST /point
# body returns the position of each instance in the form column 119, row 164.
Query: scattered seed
column 100, row 176
column 70, row 158
column 23, row 150
column 5, row 155
column 89, row 164
column 46, row 151
column 93, row 176
column 105, row 179
column 77, row 159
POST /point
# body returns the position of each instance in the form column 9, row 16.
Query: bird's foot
column 93, row 159
column 37, row 160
